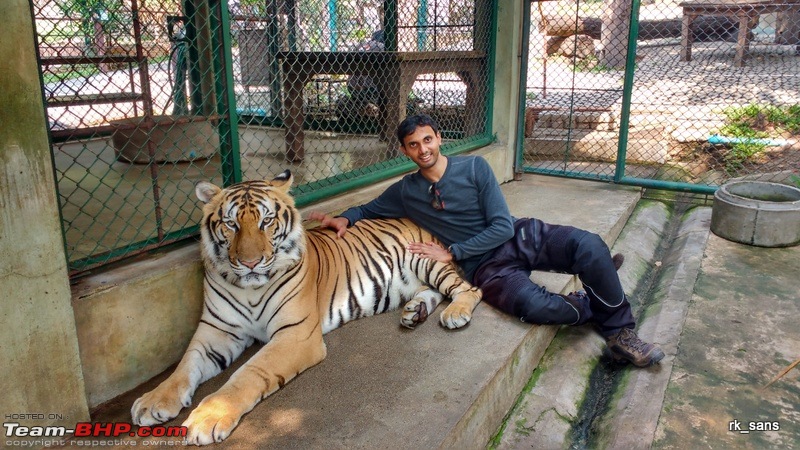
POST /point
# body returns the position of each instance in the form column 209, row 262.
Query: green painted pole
column 627, row 91
column 273, row 47
column 628, row 181
column 523, row 86
column 390, row 25
column 422, row 25
column 492, row 58
column 668, row 185
column 569, row 174
column 226, row 100
column 333, row 25
column 195, row 76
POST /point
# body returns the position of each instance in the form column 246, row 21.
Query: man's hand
column 430, row 250
column 338, row 224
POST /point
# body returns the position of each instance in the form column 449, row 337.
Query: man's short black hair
column 411, row 123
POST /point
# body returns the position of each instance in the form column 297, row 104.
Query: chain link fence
column 146, row 97
column 323, row 83
column 136, row 116
column 711, row 93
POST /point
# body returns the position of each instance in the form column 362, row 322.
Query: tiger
column 268, row 279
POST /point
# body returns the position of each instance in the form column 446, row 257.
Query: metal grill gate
column 146, row 97
column 662, row 93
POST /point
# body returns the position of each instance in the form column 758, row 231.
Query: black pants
column 504, row 277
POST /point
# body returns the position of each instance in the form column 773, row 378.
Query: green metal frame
column 519, row 165
column 622, row 145
column 329, row 187
column 228, row 129
column 226, row 109
column 319, row 190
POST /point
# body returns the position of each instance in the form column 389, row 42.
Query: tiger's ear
column 283, row 181
column 205, row 191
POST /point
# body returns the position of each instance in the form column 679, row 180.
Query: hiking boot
column 618, row 259
column 626, row 346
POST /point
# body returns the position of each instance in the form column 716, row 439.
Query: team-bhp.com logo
column 88, row 429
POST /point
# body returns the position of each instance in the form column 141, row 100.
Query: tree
column 614, row 33
column 95, row 17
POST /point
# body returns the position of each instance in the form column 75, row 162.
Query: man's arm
column 388, row 205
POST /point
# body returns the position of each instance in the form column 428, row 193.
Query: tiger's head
column 250, row 230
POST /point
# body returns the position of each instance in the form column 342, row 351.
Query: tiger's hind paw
column 456, row 315
column 414, row 313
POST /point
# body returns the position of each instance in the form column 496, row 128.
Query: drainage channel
column 606, row 376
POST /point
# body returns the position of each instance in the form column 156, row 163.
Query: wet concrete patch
column 742, row 329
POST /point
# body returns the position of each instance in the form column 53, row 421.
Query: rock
column 578, row 45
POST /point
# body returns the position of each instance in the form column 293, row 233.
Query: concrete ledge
column 384, row 386
column 546, row 414
column 136, row 320
column 598, row 145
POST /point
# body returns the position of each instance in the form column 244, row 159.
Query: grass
column 753, row 122
column 591, row 64
column 84, row 71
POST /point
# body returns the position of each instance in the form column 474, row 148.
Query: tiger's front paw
column 212, row 421
column 456, row 315
column 415, row 312
column 159, row 405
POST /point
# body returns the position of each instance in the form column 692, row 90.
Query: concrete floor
column 724, row 313
column 383, row 386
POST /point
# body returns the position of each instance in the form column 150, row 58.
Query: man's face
column 422, row 146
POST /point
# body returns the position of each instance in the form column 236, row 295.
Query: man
column 459, row 201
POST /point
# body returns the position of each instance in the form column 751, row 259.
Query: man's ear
column 404, row 149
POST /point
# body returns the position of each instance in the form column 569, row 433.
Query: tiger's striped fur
column 267, row 279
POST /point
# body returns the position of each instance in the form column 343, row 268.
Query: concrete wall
column 506, row 85
column 41, row 372
column 133, row 321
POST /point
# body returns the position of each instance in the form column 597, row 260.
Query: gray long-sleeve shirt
column 475, row 219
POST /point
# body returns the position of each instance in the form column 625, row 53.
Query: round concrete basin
column 757, row 213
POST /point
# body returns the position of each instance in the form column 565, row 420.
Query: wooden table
column 747, row 13
column 393, row 73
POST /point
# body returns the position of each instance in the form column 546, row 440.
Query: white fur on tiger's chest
column 252, row 310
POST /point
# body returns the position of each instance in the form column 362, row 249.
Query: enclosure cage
column 146, row 97
column 673, row 94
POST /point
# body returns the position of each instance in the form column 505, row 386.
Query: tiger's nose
column 250, row 264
